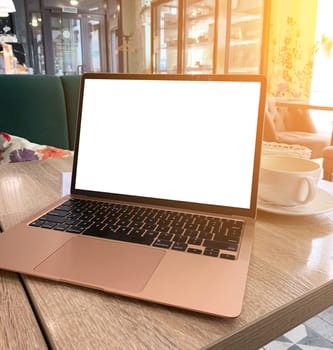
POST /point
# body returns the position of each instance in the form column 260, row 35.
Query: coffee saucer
column 322, row 203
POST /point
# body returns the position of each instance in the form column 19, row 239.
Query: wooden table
column 290, row 280
column 19, row 328
column 302, row 104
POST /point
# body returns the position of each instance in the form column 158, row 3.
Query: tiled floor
column 314, row 334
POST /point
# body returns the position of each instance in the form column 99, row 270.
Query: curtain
column 291, row 47
column 322, row 79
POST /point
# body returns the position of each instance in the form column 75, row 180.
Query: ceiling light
column 34, row 21
column 6, row 7
column 74, row 2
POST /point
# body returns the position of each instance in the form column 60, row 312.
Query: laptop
column 163, row 195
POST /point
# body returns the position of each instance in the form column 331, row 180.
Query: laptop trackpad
column 102, row 264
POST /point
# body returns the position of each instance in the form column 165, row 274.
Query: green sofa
column 40, row 108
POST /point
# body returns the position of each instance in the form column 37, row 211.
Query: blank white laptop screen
column 190, row 141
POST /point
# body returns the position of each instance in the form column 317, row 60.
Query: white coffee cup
column 288, row 181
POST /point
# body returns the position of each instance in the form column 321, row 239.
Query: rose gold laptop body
column 195, row 282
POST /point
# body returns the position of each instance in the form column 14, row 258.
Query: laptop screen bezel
column 187, row 206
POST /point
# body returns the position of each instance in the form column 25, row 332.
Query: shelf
column 158, row 49
column 244, row 70
column 168, row 28
column 244, row 18
column 201, row 18
column 234, row 43
column 197, row 41
column 204, row 44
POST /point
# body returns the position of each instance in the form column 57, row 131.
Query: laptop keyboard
column 191, row 233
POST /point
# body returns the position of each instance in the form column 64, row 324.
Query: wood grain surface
column 18, row 326
column 290, row 280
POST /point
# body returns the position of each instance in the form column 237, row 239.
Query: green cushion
column 71, row 85
column 33, row 107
